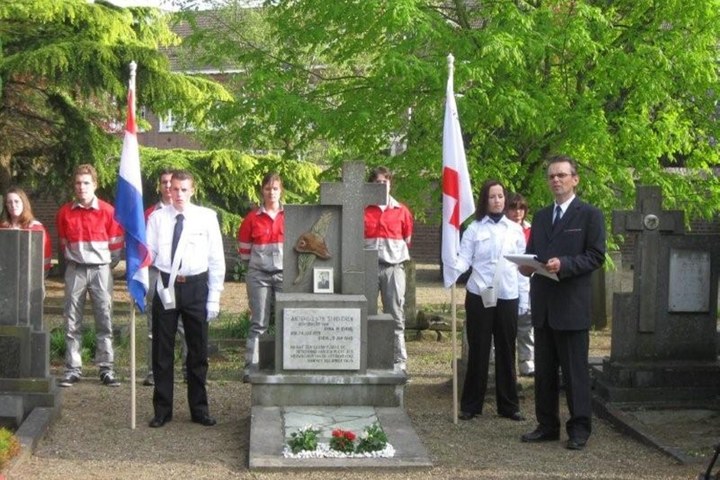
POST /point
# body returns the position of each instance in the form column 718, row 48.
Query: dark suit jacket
column 579, row 242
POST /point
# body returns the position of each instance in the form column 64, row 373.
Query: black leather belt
column 200, row 277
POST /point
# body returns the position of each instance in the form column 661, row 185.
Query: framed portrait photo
column 322, row 280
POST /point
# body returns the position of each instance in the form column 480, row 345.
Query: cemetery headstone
column 663, row 332
column 331, row 351
column 25, row 381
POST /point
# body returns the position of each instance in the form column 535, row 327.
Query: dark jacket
column 578, row 240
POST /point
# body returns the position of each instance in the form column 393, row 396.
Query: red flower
column 347, row 434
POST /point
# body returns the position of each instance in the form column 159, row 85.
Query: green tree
column 628, row 87
column 229, row 180
column 63, row 82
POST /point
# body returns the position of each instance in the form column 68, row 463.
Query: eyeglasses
column 559, row 176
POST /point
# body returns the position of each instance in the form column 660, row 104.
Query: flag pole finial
column 133, row 70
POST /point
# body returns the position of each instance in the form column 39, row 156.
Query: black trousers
column 191, row 303
column 482, row 324
column 569, row 350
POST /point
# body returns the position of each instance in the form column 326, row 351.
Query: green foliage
column 305, row 438
column 373, row 439
column 57, row 344
column 226, row 180
column 9, row 447
column 65, row 70
column 88, row 344
column 239, row 270
column 629, row 88
column 234, row 326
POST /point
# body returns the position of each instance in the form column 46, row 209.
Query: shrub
column 231, row 326
column 57, row 344
column 304, row 439
column 372, row 439
column 9, row 446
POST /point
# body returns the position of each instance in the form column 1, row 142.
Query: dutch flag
column 129, row 206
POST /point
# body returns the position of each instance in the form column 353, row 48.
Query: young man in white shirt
column 187, row 249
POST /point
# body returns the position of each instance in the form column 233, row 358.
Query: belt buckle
column 180, row 279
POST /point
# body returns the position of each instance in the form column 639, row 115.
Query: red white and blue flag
column 458, row 202
column 129, row 210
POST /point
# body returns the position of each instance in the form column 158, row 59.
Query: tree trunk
column 6, row 177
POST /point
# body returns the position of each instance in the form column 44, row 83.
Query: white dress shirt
column 563, row 206
column 483, row 247
column 200, row 248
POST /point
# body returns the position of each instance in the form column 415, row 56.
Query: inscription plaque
column 689, row 286
column 321, row 338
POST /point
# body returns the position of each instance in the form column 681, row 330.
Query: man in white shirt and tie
column 187, row 249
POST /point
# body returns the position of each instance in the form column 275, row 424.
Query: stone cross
column 353, row 195
column 649, row 221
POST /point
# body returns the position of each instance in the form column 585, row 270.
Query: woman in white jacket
column 491, row 303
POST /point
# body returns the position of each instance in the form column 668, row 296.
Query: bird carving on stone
column 310, row 242
column 311, row 245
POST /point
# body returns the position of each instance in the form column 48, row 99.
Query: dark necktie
column 558, row 214
column 177, row 231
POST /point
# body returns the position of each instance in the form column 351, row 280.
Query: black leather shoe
column 575, row 444
column 205, row 420
column 158, row 422
column 538, row 435
column 517, row 417
column 467, row 415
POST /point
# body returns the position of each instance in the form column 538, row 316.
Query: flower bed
column 371, row 443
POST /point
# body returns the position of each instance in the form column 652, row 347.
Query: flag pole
column 458, row 205
column 133, row 400
column 453, row 306
column 453, row 310
column 132, row 366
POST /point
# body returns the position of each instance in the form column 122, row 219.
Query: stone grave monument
column 332, row 353
column 29, row 397
column 664, row 346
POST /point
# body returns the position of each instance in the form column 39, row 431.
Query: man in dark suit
column 569, row 237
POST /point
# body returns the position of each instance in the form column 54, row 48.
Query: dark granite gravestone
column 318, row 332
column 331, row 348
column 664, row 332
column 25, row 381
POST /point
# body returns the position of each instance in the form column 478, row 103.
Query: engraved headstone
column 321, row 338
column 664, row 332
column 689, row 285
column 331, row 350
